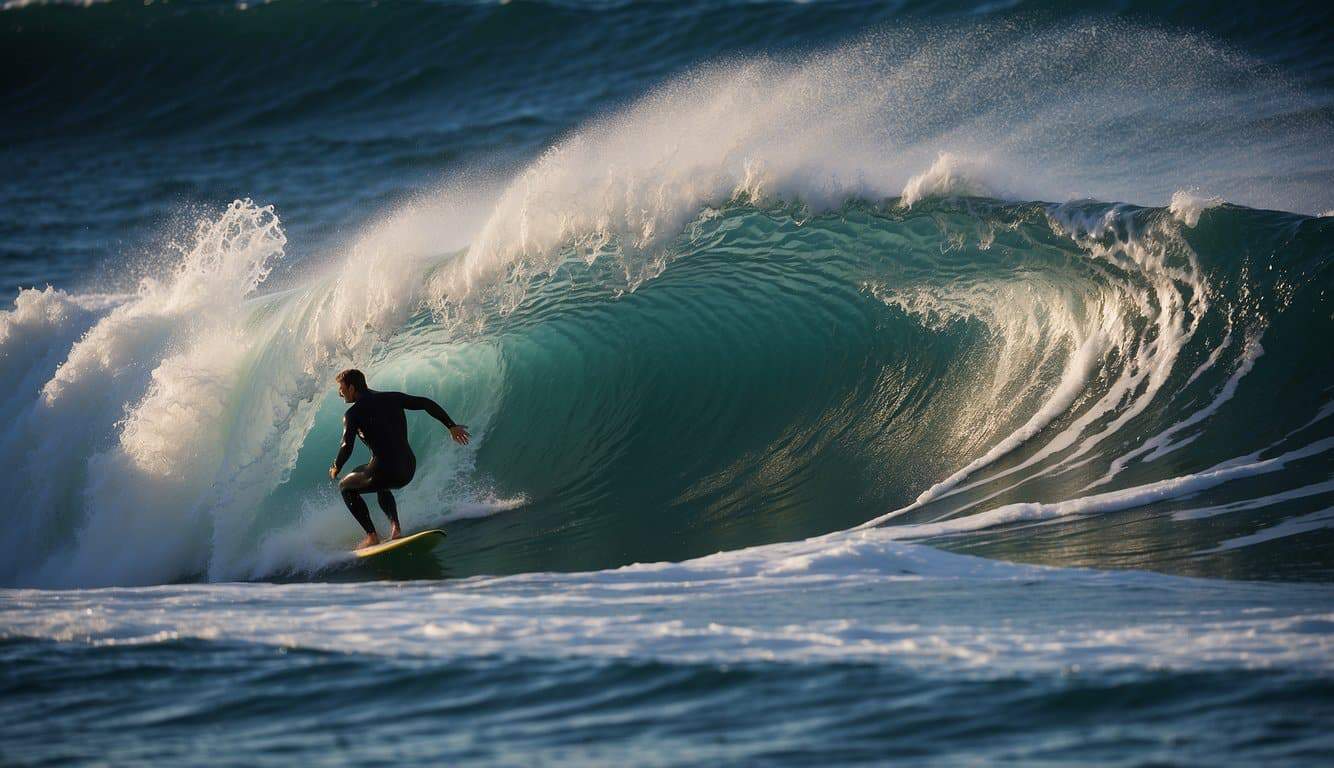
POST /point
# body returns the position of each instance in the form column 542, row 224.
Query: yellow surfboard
column 416, row 544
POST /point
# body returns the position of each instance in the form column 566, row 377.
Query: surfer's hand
column 333, row 472
column 460, row 434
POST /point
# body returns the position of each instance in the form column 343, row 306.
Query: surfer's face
column 347, row 392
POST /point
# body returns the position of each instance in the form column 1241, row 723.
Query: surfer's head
column 351, row 383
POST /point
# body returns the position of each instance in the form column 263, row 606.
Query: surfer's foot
column 370, row 541
column 394, row 533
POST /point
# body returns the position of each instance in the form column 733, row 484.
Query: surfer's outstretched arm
column 415, row 403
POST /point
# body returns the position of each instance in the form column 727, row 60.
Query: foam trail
column 1113, row 501
column 1200, row 513
column 1212, row 360
column 1160, row 444
column 1077, row 372
column 1298, row 525
column 1159, row 295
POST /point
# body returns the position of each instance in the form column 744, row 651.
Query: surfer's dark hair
column 353, row 378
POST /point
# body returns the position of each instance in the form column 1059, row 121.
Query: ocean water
column 920, row 382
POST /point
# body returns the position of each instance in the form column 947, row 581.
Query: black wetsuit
column 378, row 419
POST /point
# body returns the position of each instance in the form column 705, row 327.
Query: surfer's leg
column 353, row 484
column 390, row 508
column 360, row 511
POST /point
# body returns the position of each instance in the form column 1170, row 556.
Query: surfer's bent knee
column 350, row 482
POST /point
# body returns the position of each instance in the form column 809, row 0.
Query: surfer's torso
column 378, row 419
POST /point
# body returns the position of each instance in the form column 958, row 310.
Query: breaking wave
column 772, row 300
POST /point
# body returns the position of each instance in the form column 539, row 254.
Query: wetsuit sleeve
column 414, row 403
column 345, row 450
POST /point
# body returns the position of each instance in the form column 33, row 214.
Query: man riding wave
column 378, row 419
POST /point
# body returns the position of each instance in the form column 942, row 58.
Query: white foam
column 1171, row 270
column 1035, row 325
column 1072, row 382
column 1162, row 271
column 1186, row 206
column 1291, row 527
column 935, row 612
column 907, row 114
column 1212, row 360
column 36, row 335
column 1200, row 513
column 1162, row 444
column 63, row 442
column 158, row 425
column 1112, row 501
column 949, row 176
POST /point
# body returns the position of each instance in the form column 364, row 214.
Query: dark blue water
column 849, row 382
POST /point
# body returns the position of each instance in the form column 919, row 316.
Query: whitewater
column 966, row 366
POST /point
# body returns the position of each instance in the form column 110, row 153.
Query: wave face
column 772, row 299
column 970, row 368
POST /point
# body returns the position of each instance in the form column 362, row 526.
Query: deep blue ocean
column 926, row 383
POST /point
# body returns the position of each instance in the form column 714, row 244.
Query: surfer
column 378, row 418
